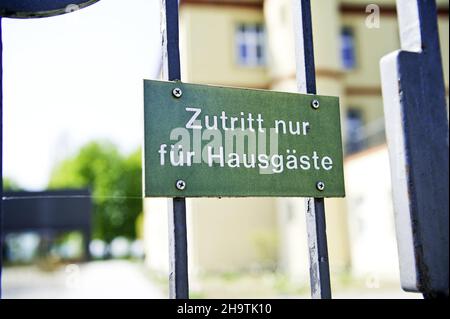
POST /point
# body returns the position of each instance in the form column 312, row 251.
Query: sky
column 74, row 78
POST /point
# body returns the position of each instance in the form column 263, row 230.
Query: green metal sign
column 209, row 141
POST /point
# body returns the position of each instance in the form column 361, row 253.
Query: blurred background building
column 87, row 134
column 251, row 44
column 46, row 215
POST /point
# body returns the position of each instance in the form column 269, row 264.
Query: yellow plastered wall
column 370, row 46
column 293, row 249
column 325, row 23
column 230, row 235
column 224, row 234
column 279, row 20
column 280, row 37
column 360, row 88
column 208, row 45
column 363, row 83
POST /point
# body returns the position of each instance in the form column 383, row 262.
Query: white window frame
column 247, row 35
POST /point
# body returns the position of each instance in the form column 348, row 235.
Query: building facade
column 251, row 44
column 221, row 43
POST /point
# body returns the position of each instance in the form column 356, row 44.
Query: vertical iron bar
column 171, row 40
column 178, row 277
column 417, row 131
column 178, row 259
column 315, row 207
column 1, row 156
column 319, row 271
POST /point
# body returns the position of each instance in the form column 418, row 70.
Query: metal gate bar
column 315, row 207
column 1, row 156
column 178, row 259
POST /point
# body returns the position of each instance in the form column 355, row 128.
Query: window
column 348, row 55
column 355, row 131
column 250, row 45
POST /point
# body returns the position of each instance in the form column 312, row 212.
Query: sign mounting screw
column 180, row 184
column 315, row 104
column 320, row 186
column 177, row 92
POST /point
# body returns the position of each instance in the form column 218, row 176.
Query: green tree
column 10, row 185
column 131, row 180
column 115, row 182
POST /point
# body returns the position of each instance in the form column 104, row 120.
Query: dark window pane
column 259, row 51
column 242, row 52
column 250, row 28
column 348, row 49
column 355, row 138
column 250, row 44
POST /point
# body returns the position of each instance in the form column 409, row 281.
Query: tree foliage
column 10, row 185
column 115, row 182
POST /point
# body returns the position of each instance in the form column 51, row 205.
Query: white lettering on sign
column 277, row 162
column 193, row 119
column 245, row 143
column 247, row 122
